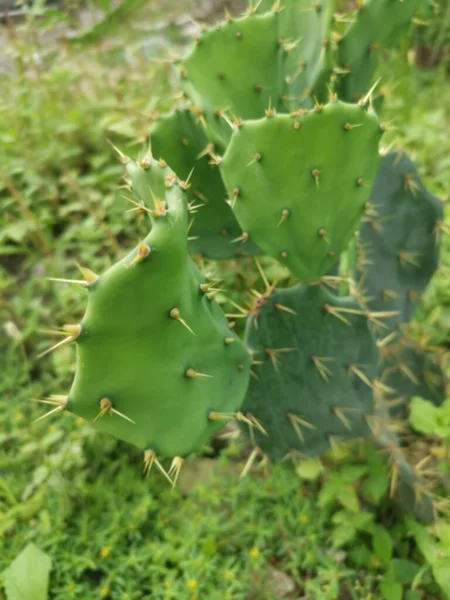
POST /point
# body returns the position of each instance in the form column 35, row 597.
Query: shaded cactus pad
column 313, row 384
column 299, row 183
column 399, row 240
column 154, row 348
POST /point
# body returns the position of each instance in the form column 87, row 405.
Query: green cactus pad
column 234, row 70
column 180, row 140
column 299, row 183
column 246, row 66
column 153, row 346
column 315, row 359
column 399, row 248
column 378, row 25
column 408, row 370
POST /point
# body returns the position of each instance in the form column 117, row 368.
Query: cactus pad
column 315, row 359
column 378, row 25
column 299, row 183
column 155, row 351
column 180, row 140
column 399, row 237
column 260, row 62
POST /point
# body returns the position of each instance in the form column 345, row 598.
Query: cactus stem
column 149, row 460
column 107, row 407
column 250, row 461
column 283, row 308
column 273, row 353
column 175, row 314
column 323, row 370
column 175, row 469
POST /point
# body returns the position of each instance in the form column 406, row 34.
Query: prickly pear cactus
column 179, row 139
column 299, row 183
column 378, row 25
column 155, row 353
column 399, row 241
column 315, row 360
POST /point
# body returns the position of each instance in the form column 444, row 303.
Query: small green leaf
column 382, row 543
column 27, row 577
column 375, row 487
column 391, row 590
column 423, row 415
column 348, row 497
column 403, row 571
column 310, row 469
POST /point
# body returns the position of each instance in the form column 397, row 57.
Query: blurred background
column 76, row 77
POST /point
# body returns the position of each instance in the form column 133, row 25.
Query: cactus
column 158, row 364
column 155, row 353
column 180, row 140
column 315, row 361
column 399, row 249
column 302, row 205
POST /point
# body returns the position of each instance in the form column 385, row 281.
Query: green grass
column 81, row 496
